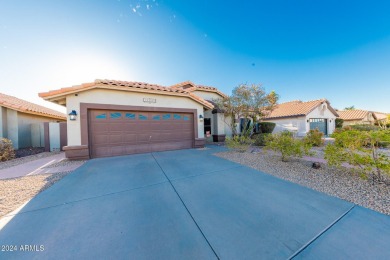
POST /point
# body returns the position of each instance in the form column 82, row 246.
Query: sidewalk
column 37, row 167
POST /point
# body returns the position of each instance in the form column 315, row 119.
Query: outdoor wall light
column 73, row 115
column 201, row 118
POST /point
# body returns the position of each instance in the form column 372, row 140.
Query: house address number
column 149, row 100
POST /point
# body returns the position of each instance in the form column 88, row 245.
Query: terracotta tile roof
column 124, row 85
column 29, row 108
column 191, row 87
column 355, row 114
column 297, row 108
column 381, row 116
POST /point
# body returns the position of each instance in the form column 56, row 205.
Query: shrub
column 260, row 139
column 267, row 127
column 365, row 127
column 360, row 149
column 339, row 123
column 314, row 138
column 239, row 143
column 7, row 151
column 287, row 145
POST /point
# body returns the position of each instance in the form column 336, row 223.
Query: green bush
column 7, row 151
column 314, row 138
column 287, row 145
column 364, row 127
column 267, row 127
column 239, row 143
column 360, row 149
column 260, row 139
column 339, row 123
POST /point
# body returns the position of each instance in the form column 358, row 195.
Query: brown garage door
column 113, row 133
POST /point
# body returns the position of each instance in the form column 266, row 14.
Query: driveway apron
column 189, row 204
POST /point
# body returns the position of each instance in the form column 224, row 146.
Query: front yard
column 341, row 183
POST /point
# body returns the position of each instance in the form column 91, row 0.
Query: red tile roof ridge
column 28, row 107
column 126, row 84
column 297, row 108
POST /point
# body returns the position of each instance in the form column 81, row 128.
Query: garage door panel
column 101, row 127
column 100, row 139
column 116, row 126
column 115, row 138
column 130, row 138
column 127, row 132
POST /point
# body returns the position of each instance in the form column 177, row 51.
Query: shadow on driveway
column 190, row 204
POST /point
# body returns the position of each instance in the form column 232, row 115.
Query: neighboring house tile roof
column 354, row 114
column 191, row 87
column 127, row 86
column 297, row 108
column 29, row 108
column 381, row 116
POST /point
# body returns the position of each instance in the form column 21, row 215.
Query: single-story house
column 120, row 117
column 300, row 117
column 357, row 117
column 17, row 116
column 382, row 117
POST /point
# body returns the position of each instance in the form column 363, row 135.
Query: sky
column 302, row 49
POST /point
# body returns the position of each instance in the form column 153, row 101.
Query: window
column 115, row 115
column 101, row 116
column 186, row 118
column 176, row 117
column 166, row 116
column 142, row 117
column 130, row 115
column 156, row 117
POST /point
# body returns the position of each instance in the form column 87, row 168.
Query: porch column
column 219, row 127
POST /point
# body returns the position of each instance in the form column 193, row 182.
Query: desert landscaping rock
column 15, row 192
column 343, row 184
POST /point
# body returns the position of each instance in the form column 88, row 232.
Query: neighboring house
column 382, row 117
column 357, row 117
column 121, row 117
column 17, row 117
column 300, row 117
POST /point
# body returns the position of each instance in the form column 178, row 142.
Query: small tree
column 314, row 137
column 350, row 108
column 360, row 149
column 249, row 102
column 287, row 145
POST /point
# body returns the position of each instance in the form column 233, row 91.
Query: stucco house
column 17, row 117
column 122, row 117
column 357, row 117
column 300, row 117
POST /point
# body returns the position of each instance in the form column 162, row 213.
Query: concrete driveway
column 189, row 204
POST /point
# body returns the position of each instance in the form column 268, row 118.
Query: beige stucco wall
column 367, row 120
column 292, row 124
column 3, row 122
column 321, row 112
column 103, row 96
column 206, row 95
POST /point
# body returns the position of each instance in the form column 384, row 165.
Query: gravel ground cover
column 17, row 161
column 15, row 192
column 343, row 183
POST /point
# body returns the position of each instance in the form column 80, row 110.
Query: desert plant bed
column 342, row 183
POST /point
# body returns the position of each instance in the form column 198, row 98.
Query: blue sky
column 302, row 49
